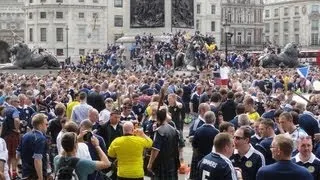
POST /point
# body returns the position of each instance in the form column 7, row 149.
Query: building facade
column 244, row 19
column 12, row 20
column 66, row 28
column 208, row 18
column 292, row 21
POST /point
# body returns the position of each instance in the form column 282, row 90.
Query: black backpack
column 66, row 169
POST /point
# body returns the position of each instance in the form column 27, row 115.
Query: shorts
column 224, row 82
column 12, row 139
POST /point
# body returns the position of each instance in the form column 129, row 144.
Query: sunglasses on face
column 238, row 137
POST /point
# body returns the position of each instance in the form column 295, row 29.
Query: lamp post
column 226, row 26
column 67, row 42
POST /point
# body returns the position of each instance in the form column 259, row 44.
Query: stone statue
column 188, row 59
column 288, row 58
column 4, row 52
column 24, row 58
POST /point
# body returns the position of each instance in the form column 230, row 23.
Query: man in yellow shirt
column 71, row 104
column 249, row 107
column 128, row 150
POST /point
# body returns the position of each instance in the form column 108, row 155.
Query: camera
column 87, row 137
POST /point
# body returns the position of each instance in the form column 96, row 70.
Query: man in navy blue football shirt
column 266, row 129
column 245, row 157
column 203, row 141
column 281, row 148
column 306, row 158
column 217, row 165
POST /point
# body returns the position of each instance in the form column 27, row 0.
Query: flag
column 303, row 71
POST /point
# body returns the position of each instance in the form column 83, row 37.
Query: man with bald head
column 128, row 150
column 203, row 108
column 93, row 116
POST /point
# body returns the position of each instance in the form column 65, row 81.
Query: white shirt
column 104, row 116
column 224, row 72
column 4, row 157
column 82, row 152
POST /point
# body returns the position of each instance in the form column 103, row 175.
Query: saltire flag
column 303, row 71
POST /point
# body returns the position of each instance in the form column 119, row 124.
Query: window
column 81, row 15
column 43, row 1
column 314, row 39
column 267, row 28
column 267, row 14
column 198, row 8
column 118, row 3
column 296, row 38
column 197, row 24
column 81, row 0
column 286, row 26
column 276, row 27
column 213, row 9
column 59, row 34
column 267, row 38
column 118, row 21
column 30, row 15
column 95, row 1
column 30, row 1
column 117, row 36
column 315, row 8
column 81, row 52
column 286, row 39
column 59, row 52
column 296, row 25
column 43, row 15
column 276, row 39
column 43, row 34
column 296, row 10
column 82, row 34
column 59, row 15
column 95, row 15
column 239, row 38
column 59, row 1
column 229, row 17
column 31, row 35
column 286, row 11
column 315, row 25
column 249, row 38
column 213, row 26
column 95, row 51
column 276, row 12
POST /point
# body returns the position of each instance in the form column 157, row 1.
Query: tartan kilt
column 12, row 140
column 168, row 176
column 194, row 173
column 167, row 170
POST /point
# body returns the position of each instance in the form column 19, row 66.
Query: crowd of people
column 167, row 53
column 91, row 123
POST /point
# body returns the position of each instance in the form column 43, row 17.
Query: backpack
column 66, row 169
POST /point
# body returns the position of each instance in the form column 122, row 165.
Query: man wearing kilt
column 164, row 160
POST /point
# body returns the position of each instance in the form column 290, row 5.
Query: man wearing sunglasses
column 306, row 158
column 245, row 157
column 281, row 148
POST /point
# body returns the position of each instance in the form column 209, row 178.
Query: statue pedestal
column 158, row 17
